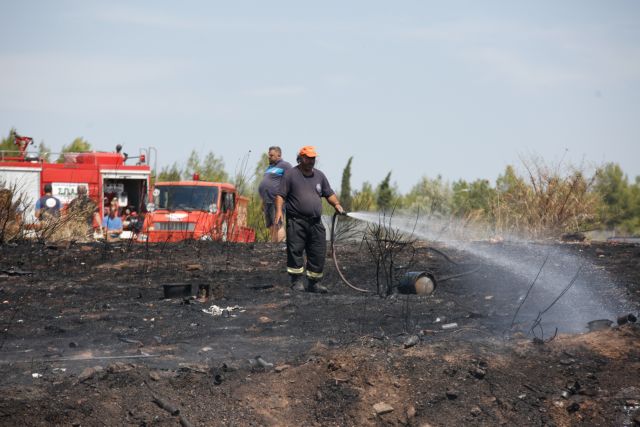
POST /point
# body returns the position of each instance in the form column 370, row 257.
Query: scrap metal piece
column 627, row 318
column 418, row 283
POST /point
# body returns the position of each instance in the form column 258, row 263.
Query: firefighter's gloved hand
column 340, row 210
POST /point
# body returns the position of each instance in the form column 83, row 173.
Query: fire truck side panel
column 26, row 181
column 65, row 179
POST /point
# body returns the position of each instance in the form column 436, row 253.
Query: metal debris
column 599, row 324
column 627, row 318
column 214, row 310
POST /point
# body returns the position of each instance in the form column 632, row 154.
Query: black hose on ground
column 335, row 258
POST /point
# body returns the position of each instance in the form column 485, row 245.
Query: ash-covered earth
column 88, row 337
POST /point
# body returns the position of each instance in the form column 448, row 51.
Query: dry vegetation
column 551, row 204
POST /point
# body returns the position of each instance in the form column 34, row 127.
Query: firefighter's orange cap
column 308, row 150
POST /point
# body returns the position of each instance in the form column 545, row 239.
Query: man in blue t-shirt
column 112, row 223
column 301, row 192
column 269, row 188
column 48, row 206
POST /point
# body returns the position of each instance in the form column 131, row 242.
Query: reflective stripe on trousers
column 310, row 237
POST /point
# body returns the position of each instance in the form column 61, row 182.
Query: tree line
column 542, row 200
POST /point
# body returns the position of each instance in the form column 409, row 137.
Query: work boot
column 297, row 283
column 316, row 287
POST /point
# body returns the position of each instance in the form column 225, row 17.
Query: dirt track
column 88, row 339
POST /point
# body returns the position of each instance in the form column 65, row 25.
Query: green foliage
column 78, row 145
column 255, row 216
column 620, row 207
column 261, row 166
column 170, row 173
column 385, row 194
column 211, row 169
column 431, row 196
column 345, row 187
column 472, row 199
column 8, row 144
column 364, row 199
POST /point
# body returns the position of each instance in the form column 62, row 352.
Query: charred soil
column 88, row 338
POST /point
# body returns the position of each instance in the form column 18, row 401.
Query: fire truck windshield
column 186, row 197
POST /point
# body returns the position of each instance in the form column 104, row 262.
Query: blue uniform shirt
column 270, row 184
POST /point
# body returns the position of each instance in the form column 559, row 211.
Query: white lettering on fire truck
column 67, row 191
column 176, row 216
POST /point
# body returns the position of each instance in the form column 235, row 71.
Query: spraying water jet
column 413, row 282
column 520, row 259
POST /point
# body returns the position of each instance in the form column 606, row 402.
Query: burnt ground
column 89, row 339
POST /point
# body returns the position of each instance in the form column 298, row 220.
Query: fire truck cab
column 197, row 210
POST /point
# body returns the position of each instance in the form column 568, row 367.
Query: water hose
column 335, row 258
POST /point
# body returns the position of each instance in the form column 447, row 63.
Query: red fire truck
column 198, row 210
column 105, row 175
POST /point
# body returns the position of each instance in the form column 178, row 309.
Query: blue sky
column 419, row 88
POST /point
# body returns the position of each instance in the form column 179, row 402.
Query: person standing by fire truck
column 301, row 192
column 112, row 223
column 269, row 187
column 48, row 206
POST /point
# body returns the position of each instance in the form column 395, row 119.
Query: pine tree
column 345, row 188
column 385, row 193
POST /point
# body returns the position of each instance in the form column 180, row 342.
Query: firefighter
column 269, row 187
column 48, row 206
column 301, row 192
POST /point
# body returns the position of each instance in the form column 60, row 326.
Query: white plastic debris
column 449, row 325
column 36, row 375
column 214, row 310
column 261, row 362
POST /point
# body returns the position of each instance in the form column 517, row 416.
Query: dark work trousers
column 306, row 235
